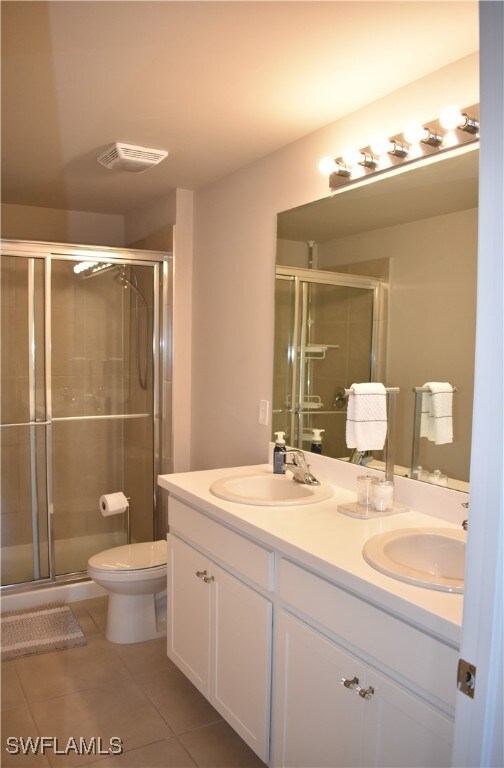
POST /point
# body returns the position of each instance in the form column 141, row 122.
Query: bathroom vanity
column 311, row 655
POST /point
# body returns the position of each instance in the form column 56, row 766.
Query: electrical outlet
column 264, row 412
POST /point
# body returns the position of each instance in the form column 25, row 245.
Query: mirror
column 378, row 283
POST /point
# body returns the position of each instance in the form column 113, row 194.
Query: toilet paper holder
column 112, row 504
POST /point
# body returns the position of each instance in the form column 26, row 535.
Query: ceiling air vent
column 129, row 157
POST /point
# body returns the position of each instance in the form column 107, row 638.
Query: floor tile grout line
column 134, row 678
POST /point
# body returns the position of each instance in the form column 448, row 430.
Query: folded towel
column 366, row 426
column 436, row 422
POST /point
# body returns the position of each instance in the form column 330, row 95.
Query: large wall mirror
column 378, row 283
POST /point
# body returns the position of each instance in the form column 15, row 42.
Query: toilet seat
column 145, row 556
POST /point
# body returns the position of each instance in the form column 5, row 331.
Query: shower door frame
column 47, row 252
column 301, row 278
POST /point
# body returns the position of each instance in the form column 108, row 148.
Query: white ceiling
column 217, row 84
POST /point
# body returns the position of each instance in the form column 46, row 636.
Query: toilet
column 133, row 575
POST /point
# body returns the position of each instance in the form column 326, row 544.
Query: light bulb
column 351, row 156
column 414, row 133
column 380, row 145
column 451, row 118
column 83, row 265
column 327, row 165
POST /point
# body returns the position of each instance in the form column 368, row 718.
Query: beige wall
column 25, row 222
column 431, row 319
column 235, row 255
column 149, row 226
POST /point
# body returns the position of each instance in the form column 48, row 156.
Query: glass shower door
column 325, row 340
column 102, row 407
column 284, row 378
column 79, row 408
column 24, row 511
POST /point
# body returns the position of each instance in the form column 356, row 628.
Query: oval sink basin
column 428, row 557
column 268, row 490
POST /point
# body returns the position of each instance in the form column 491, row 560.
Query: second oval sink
column 268, row 490
column 428, row 557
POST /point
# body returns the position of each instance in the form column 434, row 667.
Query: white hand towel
column 436, row 423
column 366, row 426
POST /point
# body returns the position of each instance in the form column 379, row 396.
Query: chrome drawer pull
column 365, row 693
column 351, row 684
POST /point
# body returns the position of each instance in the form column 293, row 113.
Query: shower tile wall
column 159, row 241
column 340, row 316
column 138, row 433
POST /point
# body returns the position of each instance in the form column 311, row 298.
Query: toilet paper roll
column 113, row 504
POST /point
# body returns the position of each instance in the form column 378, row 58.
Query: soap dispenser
column 279, row 454
column 316, row 446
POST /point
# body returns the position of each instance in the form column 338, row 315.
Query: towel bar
column 416, row 429
column 391, row 425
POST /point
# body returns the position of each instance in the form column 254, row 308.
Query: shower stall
column 85, row 345
column 329, row 333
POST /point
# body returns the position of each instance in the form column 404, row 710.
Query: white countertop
column 329, row 543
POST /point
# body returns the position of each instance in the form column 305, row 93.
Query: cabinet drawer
column 415, row 656
column 251, row 560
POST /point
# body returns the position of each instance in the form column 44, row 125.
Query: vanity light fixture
column 419, row 141
column 328, row 165
column 382, row 146
column 352, row 156
column 342, row 169
column 451, row 118
column 414, row 133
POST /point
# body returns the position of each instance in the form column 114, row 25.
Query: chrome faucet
column 360, row 457
column 299, row 468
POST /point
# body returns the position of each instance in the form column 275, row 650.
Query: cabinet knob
column 351, row 684
column 201, row 574
column 365, row 693
column 207, row 579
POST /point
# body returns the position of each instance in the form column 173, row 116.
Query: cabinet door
column 401, row 730
column 188, row 614
column 317, row 721
column 241, row 658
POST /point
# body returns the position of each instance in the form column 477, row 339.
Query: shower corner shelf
column 310, row 403
column 316, row 351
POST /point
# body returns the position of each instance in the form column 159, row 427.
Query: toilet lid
column 131, row 557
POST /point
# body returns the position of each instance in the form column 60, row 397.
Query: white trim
column 478, row 721
column 66, row 593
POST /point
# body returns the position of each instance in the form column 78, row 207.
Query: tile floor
column 103, row 690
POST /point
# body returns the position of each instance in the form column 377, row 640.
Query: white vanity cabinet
column 282, row 640
column 219, row 628
column 333, row 707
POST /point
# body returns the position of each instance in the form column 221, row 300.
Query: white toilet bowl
column 132, row 575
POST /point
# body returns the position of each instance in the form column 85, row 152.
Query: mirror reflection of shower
column 88, row 269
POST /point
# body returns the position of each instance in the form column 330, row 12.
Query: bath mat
column 51, row 627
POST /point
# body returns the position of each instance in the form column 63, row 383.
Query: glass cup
column 382, row 497
column 365, row 484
